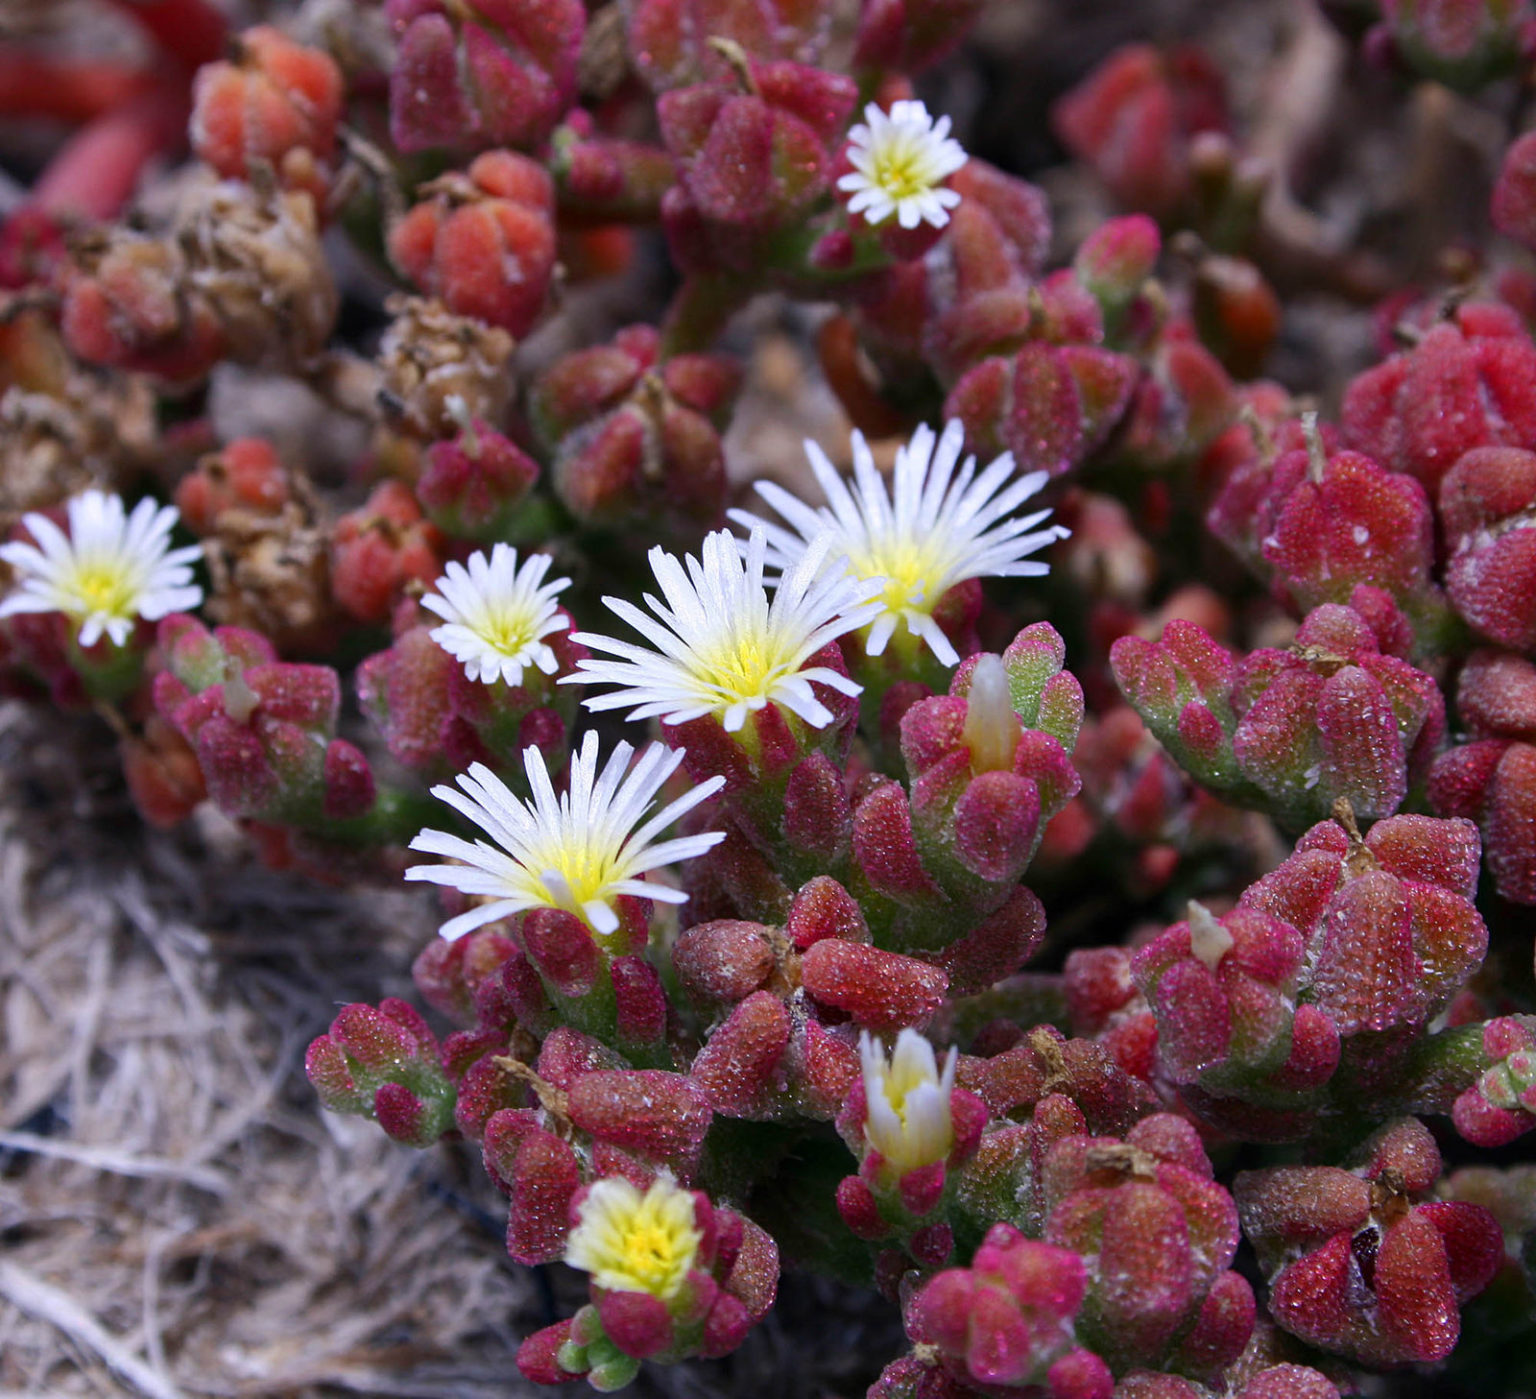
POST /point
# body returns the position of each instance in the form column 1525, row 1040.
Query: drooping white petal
column 720, row 646
column 937, row 523
column 577, row 851
column 111, row 569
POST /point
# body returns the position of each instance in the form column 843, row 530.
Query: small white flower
column 578, row 851
column 721, row 647
column 109, row 570
column 631, row 1242
column 907, row 1115
column 497, row 614
column 943, row 527
column 900, row 162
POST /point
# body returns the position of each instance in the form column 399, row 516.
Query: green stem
column 700, row 310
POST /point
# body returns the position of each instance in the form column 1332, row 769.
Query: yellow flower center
column 507, row 631
column 908, row 567
column 103, row 587
column 586, row 872
column 631, row 1242
column 900, row 170
column 650, row 1255
column 744, row 666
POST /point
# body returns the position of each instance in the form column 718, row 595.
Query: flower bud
column 380, row 548
column 1133, row 117
column 1374, row 1274
column 1488, row 510
column 383, row 1063
column 1466, row 384
column 1464, row 44
column 483, row 242
column 502, row 73
column 472, row 487
column 276, row 104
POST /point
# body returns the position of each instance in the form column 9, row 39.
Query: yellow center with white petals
column 104, row 587
column 908, row 567
column 508, row 631
column 743, row 667
column 573, row 872
column 631, row 1242
column 901, row 168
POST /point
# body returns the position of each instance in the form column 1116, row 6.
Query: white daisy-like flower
column 633, row 1242
column 110, row 569
column 721, row 647
column 943, row 526
column 907, row 1116
column 900, row 161
column 496, row 614
column 578, row 851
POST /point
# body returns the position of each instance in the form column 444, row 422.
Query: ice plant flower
column 496, row 613
column 900, row 161
column 722, row 647
column 578, row 851
column 109, row 570
column 633, row 1242
column 945, row 524
column 907, row 1101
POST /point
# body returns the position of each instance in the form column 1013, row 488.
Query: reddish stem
column 94, row 173
column 192, row 32
column 35, row 85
